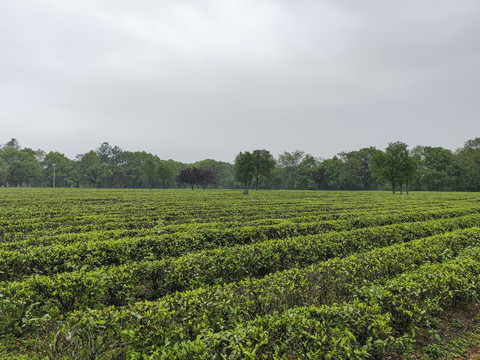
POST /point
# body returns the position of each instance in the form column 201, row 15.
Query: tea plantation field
column 181, row 274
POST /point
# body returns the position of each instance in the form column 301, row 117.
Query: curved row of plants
column 379, row 321
column 18, row 230
column 231, row 232
column 48, row 260
column 179, row 206
column 434, row 279
column 119, row 285
column 179, row 274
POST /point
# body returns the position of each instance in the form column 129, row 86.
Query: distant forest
column 397, row 168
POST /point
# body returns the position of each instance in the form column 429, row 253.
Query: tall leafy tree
column 349, row 175
column 264, row 164
column 289, row 162
column 165, row 173
column 19, row 167
column 408, row 168
column 469, row 160
column 129, row 173
column 149, row 170
column 222, row 172
column 328, row 174
column 112, row 157
column 437, row 168
column 206, row 178
column 320, row 178
column 355, row 171
column 91, row 171
column 8, row 157
column 244, row 169
column 194, row 176
column 395, row 165
column 12, row 144
column 24, row 172
column 306, row 173
column 365, row 156
column 64, row 170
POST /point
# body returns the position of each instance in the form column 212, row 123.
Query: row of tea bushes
column 186, row 315
column 149, row 280
column 379, row 322
column 53, row 259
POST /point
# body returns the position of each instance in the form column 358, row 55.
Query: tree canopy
column 396, row 167
column 244, row 169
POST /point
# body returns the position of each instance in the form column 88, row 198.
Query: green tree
column 365, row 155
column 91, row 172
column 112, row 157
column 12, row 144
column 129, row 174
column 469, row 160
column 19, row 167
column 349, row 174
column 408, row 168
column 328, row 174
column 355, row 170
column 264, row 164
column 306, row 173
column 437, row 168
column 149, row 170
column 221, row 172
column 244, row 169
column 64, row 170
column 289, row 162
column 395, row 165
column 8, row 157
column 165, row 173
column 320, row 177
column 24, row 172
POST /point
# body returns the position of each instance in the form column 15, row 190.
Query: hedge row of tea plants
column 120, row 274
column 50, row 259
column 149, row 280
column 184, row 316
column 368, row 328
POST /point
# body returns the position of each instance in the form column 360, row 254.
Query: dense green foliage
column 133, row 274
column 422, row 168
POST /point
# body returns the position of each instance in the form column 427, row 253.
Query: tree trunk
column 401, row 188
column 393, row 187
column 407, row 187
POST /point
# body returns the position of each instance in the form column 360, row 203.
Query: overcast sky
column 191, row 80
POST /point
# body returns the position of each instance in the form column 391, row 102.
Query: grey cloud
column 190, row 80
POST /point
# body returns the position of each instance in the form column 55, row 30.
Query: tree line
column 397, row 168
